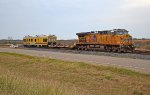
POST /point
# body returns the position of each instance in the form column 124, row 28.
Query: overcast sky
column 65, row 18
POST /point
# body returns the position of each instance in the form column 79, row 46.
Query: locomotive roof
column 39, row 36
column 83, row 33
column 93, row 32
column 102, row 32
column 123, row 30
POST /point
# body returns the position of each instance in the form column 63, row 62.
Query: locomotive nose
column 127, row 39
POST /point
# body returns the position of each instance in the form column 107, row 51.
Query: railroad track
column 143, row 52
column 137, row 54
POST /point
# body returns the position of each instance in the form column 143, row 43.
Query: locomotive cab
column 125, row 39
column 52, row 40
column 120, row 32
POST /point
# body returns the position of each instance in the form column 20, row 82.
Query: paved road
column 133, row 64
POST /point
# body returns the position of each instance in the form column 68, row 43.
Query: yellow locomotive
column 110, row 40
column 39, row 41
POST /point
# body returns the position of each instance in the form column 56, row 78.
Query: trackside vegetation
column 27, row 75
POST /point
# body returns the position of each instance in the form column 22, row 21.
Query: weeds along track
column 137, row 54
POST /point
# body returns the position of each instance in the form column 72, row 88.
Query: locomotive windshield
column 121, row 32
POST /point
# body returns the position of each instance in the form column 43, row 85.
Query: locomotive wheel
column 108, row 48
column 105, row 48
column 79, row 48
column 82, row 47
column 85, row 49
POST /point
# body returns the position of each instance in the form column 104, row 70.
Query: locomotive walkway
column 132, row 64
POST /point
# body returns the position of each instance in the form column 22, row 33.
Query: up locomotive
column 117, row 40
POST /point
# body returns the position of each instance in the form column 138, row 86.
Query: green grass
column 27, row 75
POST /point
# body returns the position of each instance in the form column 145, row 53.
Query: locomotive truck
column 117, row 40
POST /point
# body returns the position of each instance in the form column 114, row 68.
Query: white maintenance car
column 14, row 46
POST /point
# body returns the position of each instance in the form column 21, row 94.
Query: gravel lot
column 139, row 65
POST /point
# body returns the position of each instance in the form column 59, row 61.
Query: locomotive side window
column 35, row 40
column 24, row 40
column 120, row 33
column 82, row 39
column 44, row 40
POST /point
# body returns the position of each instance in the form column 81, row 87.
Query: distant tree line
column 10, row 40
column 141, row 38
